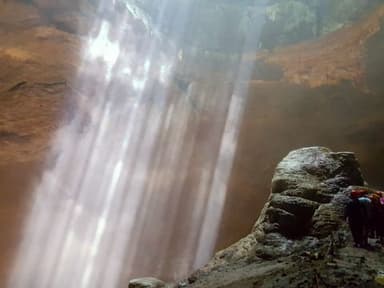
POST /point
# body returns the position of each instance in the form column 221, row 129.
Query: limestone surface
column 301, row 238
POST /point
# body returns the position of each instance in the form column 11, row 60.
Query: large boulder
column 301, row 238
column 304, row 182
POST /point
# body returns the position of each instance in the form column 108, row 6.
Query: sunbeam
column 141, row 170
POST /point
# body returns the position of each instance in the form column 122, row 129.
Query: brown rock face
column 33, row 86
column 329, row 61
column 60, row 4
column 341, row 113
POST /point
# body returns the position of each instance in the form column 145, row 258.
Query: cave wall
column 281, row 117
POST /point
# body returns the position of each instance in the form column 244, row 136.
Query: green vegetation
column 224, row 25
column 291, row 21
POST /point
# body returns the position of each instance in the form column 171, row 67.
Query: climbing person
column 366, row 207
column 354, row 214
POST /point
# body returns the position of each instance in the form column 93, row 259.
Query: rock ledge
column 301, row 238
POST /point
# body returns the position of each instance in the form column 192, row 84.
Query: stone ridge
column 304, row 185
column 301, row 238
column 307, row 196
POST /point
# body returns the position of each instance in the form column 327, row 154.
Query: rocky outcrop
column 148, row 282
column 303, row 187
column 301, row 238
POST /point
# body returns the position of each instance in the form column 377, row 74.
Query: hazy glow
column 142, row 163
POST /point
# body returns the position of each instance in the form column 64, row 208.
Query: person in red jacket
column 355, row 217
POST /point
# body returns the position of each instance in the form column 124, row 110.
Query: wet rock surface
column 300, row 242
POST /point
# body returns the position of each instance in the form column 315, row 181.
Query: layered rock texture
column 301, row 238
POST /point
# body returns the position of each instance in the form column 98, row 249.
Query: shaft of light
column 136, row 186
